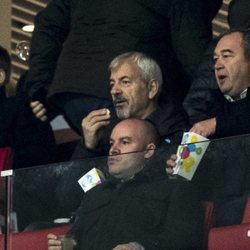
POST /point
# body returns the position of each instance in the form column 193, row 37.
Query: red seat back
column 5, row 164
column 5, row 158
column 234, row 237
column 208, row 207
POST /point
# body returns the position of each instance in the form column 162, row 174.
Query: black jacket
column 150, row 209
column 74, row 41
column 169, row 118
column 232, row 118
column 200, row 98
column 32, row 141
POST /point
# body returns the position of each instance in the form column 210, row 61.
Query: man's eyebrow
column 224, row 51
column 120, row 78
column 126, row 137
column 227, row 50
column 122, row 138
column 125, row 76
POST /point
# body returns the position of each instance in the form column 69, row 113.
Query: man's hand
column 129, row 246
column 205, row 128
column 92, row 127
column 53, row 242
column 171, row 164
column 39, row 110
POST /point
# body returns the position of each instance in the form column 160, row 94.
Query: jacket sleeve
column 183, row 224
column 200, row 100
column 51, row 29
column 190, row 33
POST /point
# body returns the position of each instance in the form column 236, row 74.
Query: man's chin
column 114, row 173
column 122, row 114
column 224, row 90
column 228, row 92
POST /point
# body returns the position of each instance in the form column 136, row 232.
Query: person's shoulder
column 169, row 118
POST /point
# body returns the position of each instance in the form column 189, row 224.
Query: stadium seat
column 208, row 207
column 232, row 237
column 235, row 237
column 5, row 158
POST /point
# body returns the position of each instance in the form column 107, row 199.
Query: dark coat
column 74, row 41
column 232, row 118
column 150, row 209
column 233, row 178
column 224, row 174
column 32, row 141
column 200, row 98
column 169, row 118
column 205, row 101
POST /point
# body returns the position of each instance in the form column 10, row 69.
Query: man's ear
column 2, row 76
column 153, row 89
column 150, row 150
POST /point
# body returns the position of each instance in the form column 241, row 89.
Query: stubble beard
column 122, row 113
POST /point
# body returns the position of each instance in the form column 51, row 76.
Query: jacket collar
column 150, row 173
column 243, row 95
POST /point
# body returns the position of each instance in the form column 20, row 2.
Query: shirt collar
column 242, row 96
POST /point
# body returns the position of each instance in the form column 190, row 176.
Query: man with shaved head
column 138, row 207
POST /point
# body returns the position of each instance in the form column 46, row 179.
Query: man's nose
column 218, row 65
column 116, row 89
column 114, row 150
